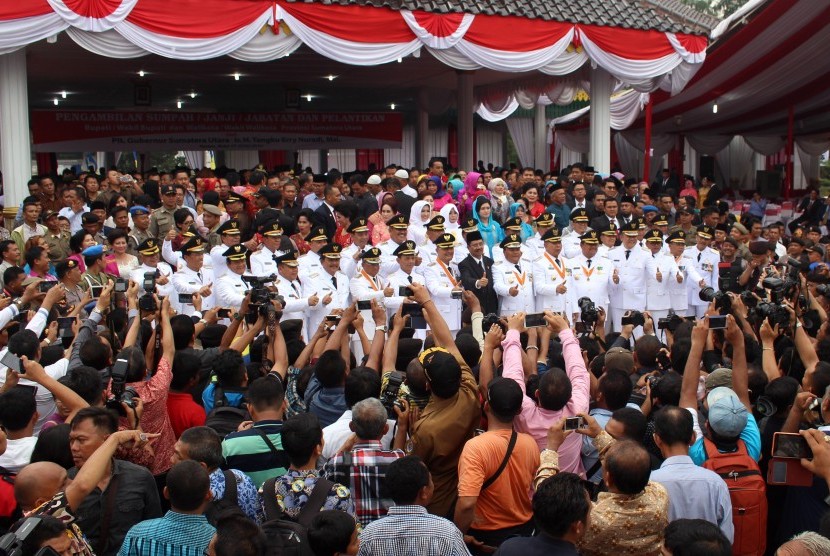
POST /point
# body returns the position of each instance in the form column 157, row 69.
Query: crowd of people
column 406, row 362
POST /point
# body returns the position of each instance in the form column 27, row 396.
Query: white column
column 465, row 120
column 422, row 131
column 16, row 156
column 540, row 136
column 601, row 87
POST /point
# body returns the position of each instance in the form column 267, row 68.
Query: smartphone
column 417, row 322
column 29, row 388
column 186, row 298
column 120, row 285
column 412, row 309
column 45, row 286
column 96, row 291
column 790, row 445
column 534, row 320
column 456, row 295
column 65, row 326
column 788, row 472
column 13, row 362
column 405, row 291
column 573, row 423
column 717, row 322
column 223, row 313
column 333, row 318
column 364, row 305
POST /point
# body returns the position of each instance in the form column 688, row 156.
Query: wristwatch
column 381, row 328
column 238, row 316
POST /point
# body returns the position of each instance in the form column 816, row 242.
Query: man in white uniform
column 397, row 226
column 193, row 278
column 686, row 268
column 230, row 288
column 426, row 251
column 549, row 283
column 535, row 244
column 148, row 252
column 444, row 282
column 359, row 230
column 608, row 239
column 332, row 285
column 631, row 266
column 310, row 262
column 229, row 235
column 298, row 297
column 571, row 242
column 262, row 262
column 589, row 276
column 403, row 277
column 512, row 278
column 705, row 261
column 663, row 271
column 367, row 286
column 513, row 226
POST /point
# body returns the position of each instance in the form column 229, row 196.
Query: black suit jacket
column 470, row 273
column 600, row 222
column 324, row 218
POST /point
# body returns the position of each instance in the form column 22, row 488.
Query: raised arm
column 72, row 401
column 492, row 341
column 691, row 374
column 436, row 322
column 168, row 347
column 376, row 349
column 740, row 372
column 768, row 336
column 390, row 350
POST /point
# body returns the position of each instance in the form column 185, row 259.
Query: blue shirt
column 540, row 545
column 695, row 493
column 174, row 534
column 234, row 398
column 590, row 455
column 328, row 404
column 561, row 214
column 312, row 201
column 750, row 435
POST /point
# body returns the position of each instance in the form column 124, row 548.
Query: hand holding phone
column 717, row 322
column 12, row 361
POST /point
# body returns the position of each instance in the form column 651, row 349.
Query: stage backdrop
column 91, row 130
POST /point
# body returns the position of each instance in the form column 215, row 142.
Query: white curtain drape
column 309, row 157
column 661, row 144
column 568, row 156
column 241, row 160
column 437, row 142
column 195, row 159
column 405, row 156
column 344, row 160
column 521, row 130
column 707, row 143
column 630, row 158
column 767, row 145
column 489, row 145
column 737, row 164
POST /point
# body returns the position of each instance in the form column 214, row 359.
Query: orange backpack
column 748, row 492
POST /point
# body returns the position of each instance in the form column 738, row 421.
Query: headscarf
column 472, row 191
column 445, row 212
column 491, row 232
column 455, row 186
column 440, row 191
column 417, row 231
column 527, row 229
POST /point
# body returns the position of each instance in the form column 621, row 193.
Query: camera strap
column 510, row 445
column 267, row 441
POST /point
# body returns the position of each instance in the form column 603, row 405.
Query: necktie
column 557, row 262
column 589, row 263
column 334, row 281
column 483, row 270
column 627, row 254
column 518, row 268
column 199, row 274
column 409, row 278
column 296, row 290
column 700, row 254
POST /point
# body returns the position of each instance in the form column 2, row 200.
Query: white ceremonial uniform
column 571, row 245
column 630, row 293
column 592, row 281
column 395, row 281
column 498, row 254
column 296, row 301
column 262, row 262
column 706, row 264
column 137, row 276
column 324, row 285
column 190, row 281
column 548, row 274
column 461, row 250
column 388, row 260
column 428, row 256
column 658, row 295
column 441, row 280
column 348, row 264
column 309, row 264
column 220, row 265
column 173, row 257
column 535, row 246
column 365, row 288
column 680, row 292
column 230, row 290
column 505, row 276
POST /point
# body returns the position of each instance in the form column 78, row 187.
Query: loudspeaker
column 768, row 183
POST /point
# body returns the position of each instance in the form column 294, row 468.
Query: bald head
column 38, row 482
column 629, row 467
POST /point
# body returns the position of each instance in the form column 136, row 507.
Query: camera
column 489, row 320
column 389, row 396
column 765, row 406
column 261, row 297
column 455, row 294
column 146, row 302
column 823, row 289
column 364, row 305
column 405, row 291
column 634, row 318
column 120, row 285
column 45, row 286
column 774, row 313
column 653, row 381
column 779, row 288
column 670, row 323
column 11, row 544
column 723, row 302
column 588, row 312
column 573, row 423
column 119, row 391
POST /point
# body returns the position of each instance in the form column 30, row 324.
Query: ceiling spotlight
column 142, row 73
column 63, row 94
column 179, row 104
column 330, row 77
column 392, row 106
column 236, row 76
column 55, row 101
column 715, row 108
column 308, row 97
column 400, row 60
column 192, row 94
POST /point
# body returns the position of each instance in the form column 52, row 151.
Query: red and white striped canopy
column 262, row 30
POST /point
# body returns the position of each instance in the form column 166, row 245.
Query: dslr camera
column 588, row 312
column 723, row 303
column 634, row 318
column 261, row 298
column 779, row 289
column 489, row 320
column 670, row 323
column 11, row 544
column 119, row 391
column 147, row 302
column 389, row 396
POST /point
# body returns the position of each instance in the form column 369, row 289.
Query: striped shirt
column 174, row 534
column 248, row 452
column 408, row 530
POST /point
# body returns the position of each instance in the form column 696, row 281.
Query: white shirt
column 75, row 223
column 336, row 434
column 18, row 453
column 408, row 190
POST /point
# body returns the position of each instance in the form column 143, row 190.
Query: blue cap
column 138, row 209
column 649, row 208
column 94, row 251
column 727, row 414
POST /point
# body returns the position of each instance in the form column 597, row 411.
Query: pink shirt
column 535, row 420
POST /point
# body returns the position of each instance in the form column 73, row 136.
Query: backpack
column 224, row 418
column 748, row 493
column 287, row 537
column 229, row 500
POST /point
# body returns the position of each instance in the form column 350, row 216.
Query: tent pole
column 647, row 148
column 788, row 182
column 600, row 131
column 16, row 155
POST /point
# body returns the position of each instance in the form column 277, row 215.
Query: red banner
column 93, row 130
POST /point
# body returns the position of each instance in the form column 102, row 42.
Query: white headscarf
column 445, row 212
column 417, row 227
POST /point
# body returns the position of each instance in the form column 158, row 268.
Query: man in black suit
column 601, row 222
column 477, row 274
column 812, row 209
column 666, row 182
column 324, row 215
